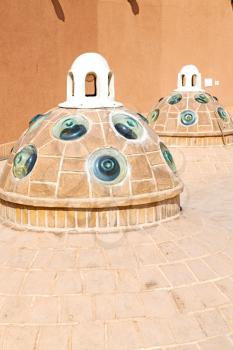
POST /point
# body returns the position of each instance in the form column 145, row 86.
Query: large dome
column 89, row 168
column 190, row 116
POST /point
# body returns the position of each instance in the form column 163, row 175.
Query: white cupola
column 90, row 83
column 189, row 79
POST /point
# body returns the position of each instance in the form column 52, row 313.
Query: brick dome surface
column 62, row 175
column 52, row 168
column 192, row 119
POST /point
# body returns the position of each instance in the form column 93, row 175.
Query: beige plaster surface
column 169, row 287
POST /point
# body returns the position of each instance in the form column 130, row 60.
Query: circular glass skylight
column 201, row 98
column 222, row 114
column 154, row 115
column 71, row 127
column 108, row 165
column 174, row 99
column 24, row 161
column 168, row 157
column 127, row 126
column 188, row 117
column 36, row 121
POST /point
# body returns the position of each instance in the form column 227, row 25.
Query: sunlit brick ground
column 169, row 287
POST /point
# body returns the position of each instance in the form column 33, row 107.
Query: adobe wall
column 145, row 50
column 36, row 51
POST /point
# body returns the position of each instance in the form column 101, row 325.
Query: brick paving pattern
column 169, row 287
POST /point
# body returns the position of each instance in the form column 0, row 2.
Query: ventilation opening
column 110, row 84
column 90, row 85
column 194, row 80
column 183, row 79
column 70, row 84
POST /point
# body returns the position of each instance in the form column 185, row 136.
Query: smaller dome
column 190, row 116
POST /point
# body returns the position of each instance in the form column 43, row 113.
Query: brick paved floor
column 169, row 287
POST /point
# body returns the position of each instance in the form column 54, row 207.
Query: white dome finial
column 90, row 68
column 189, row 79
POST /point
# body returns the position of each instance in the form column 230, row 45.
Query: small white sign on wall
column 208, row 82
